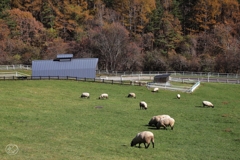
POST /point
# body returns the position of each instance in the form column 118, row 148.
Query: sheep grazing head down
column 178, row 96
column 145, row 137
column 165, row 122
column 155, row 89
column 85, row 95
column 207, row 103
column 103, row 96
column 131, row 95
column 143, row 105
column 155, row 119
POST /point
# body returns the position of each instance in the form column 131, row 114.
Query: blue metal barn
column 65, row 65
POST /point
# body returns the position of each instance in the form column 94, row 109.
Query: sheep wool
column 131, row 95
column 178, row 96
column 165, row 122
column 85, row 95
column 143, row 105
column 207, row 103
column 145, row 137
column 104, row 95
column 155, row 119
column 155, row 89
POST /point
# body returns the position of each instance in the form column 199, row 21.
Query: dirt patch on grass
column 227, row 130
column 225, row 115
column 99, row 107
column 225, row 102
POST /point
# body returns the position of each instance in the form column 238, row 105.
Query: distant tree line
column 180, row 35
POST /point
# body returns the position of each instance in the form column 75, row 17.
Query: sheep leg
column 146, row 146
column 164, row 126
column 153, row 144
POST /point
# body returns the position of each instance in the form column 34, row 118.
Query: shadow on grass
column 155, row 128
column 202, row 107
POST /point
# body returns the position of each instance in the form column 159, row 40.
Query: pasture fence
column 138, row 78
column 173, row 73
column 16, row 67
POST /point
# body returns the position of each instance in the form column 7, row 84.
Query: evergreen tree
column 4, row 5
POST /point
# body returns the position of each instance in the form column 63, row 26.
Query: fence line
column 173, row 73
column 72, row 78
column 121, row 82
column 15, row 67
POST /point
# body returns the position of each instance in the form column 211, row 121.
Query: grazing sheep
column 207, row 103
column 165, row 122
column 178, row 96
column 131, row 95
column 85, row 94
column 155, row 89
column 143, row 137
column 143, row 105
column 154, row 120
column 104, row 95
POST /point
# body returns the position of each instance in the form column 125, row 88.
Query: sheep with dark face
column 85, row 95
column 207, row 103
column 103, row 96
column 155, row 119
column 131, row 95
column 143, row 105
column 145, row 137
column 165, row 122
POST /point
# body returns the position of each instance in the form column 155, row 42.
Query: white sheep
column 155, row 119
column 165, row 122
column 143, row 137
column 178, row 96
column 143, row 105
column 207, row 103
column 104, row 95
column 85, row 94
column 131, row 95
column 155, row 89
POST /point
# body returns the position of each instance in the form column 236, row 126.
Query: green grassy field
column 46, row 119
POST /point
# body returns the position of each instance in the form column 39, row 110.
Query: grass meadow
column 47, row 120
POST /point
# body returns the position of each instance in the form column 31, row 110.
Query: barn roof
column 65, row 56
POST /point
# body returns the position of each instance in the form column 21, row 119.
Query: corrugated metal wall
column 81, row 68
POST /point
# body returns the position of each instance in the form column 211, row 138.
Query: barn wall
column 82, row 68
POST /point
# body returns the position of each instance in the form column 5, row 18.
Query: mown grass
column 46, row 119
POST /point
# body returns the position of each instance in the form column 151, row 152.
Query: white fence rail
column 15, row 67
column 11, row 74
column 173, row 73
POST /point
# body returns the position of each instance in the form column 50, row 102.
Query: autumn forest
column 126, row 35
